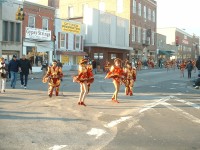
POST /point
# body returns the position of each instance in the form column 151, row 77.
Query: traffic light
column 20, row 14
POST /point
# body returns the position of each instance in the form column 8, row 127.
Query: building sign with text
column 38, row 34
column 71, row 27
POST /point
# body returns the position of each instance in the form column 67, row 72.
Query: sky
column 182, row 14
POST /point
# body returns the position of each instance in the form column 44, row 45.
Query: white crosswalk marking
column 189, row 103
column 183, row 113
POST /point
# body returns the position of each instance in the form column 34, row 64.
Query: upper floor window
column 78, row 42
column 149, row 14
column 5, row 30
column 62, row 40
column 139, row 9
column 134, row 6
column 145, row 12
column 144, row 36
column 133, row 33
column 102, row 6
column 119, row 6
column 153, row 16
column 70, row 12
column 139, row 34
column 31, row 21
column 152, row 38
column 45, row 24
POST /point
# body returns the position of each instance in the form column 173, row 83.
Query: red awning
column 71, row 53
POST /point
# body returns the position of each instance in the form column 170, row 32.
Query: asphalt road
column 163, row 113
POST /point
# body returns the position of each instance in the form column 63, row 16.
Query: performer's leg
column 131, row 87
column 85, row 91
column 50, row 91
column 117, row 86
column 57, row 90
column 81, row 93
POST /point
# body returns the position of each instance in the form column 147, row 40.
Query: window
column 5, row 30
column 62, row 40
column 153, row 16
column 102, row 6
column 12, row 28
column 70, row 12
column 139, row 9
column 149, row 14
column 139, row 34
column 145, row 12
column 77, row 42
column 31, row 21
column 144, row 36
column 96, row 56
column 134, row 6
column 45, row 24
column 113, row 56
column 133, row 33
column 18, row 32
column 119, row 6
column 100, row 55
column 152, row 38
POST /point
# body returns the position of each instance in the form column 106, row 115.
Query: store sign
column 185, row 41
column 64, row 59
column 71, row 27
column 38, row 34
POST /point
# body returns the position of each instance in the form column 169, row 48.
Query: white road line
column 57, row 147
column 189, row 103
column 97, row 132
column 149, row 106
column 116, row 122
column 183, row 113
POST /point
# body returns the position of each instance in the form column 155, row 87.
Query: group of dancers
column 119, row 74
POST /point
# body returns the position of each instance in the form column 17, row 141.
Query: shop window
column 113, row 56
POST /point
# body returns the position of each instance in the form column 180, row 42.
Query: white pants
column 2, row 84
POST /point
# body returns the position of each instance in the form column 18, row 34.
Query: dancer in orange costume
column 116, row 73
column 53, row 76
column 182, row 68
column 139, row 65
column 85, row 77
column 130, row 77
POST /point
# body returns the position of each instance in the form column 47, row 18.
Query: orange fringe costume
column 117, row 74
column 53, row 76
column 130, row 78
column 182, row 68
column 85, row 77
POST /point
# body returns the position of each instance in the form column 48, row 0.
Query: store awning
column 79, row 53
column 163, row 52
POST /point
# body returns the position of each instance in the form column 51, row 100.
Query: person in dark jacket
column 25, row 65
column 198, row 64
column 94, row 66
column 13, row 68
column 189, row 68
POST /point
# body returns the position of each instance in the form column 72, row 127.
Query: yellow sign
column 71, row 27
column 64, row 59
column 79, row 58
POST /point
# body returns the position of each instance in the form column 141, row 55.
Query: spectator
column 94, row 66
column 13, row 69
column 189, row 68
column 44, row 67
column 198, row 64
column 25, row 65
column 197, row 82
column 3, row 75
column 59, row 64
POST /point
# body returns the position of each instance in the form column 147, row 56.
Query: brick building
column 37, row 33
column 187, row 45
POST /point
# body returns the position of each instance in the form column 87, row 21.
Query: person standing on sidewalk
column 198, row 64
column 3, row 75
column 25, row 65
column 94, row 66
column 13, row 68
column 189, row 68
column 53, row 76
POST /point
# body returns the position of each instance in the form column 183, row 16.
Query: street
column 163, row 113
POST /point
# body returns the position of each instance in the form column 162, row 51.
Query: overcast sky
column 183, row 14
